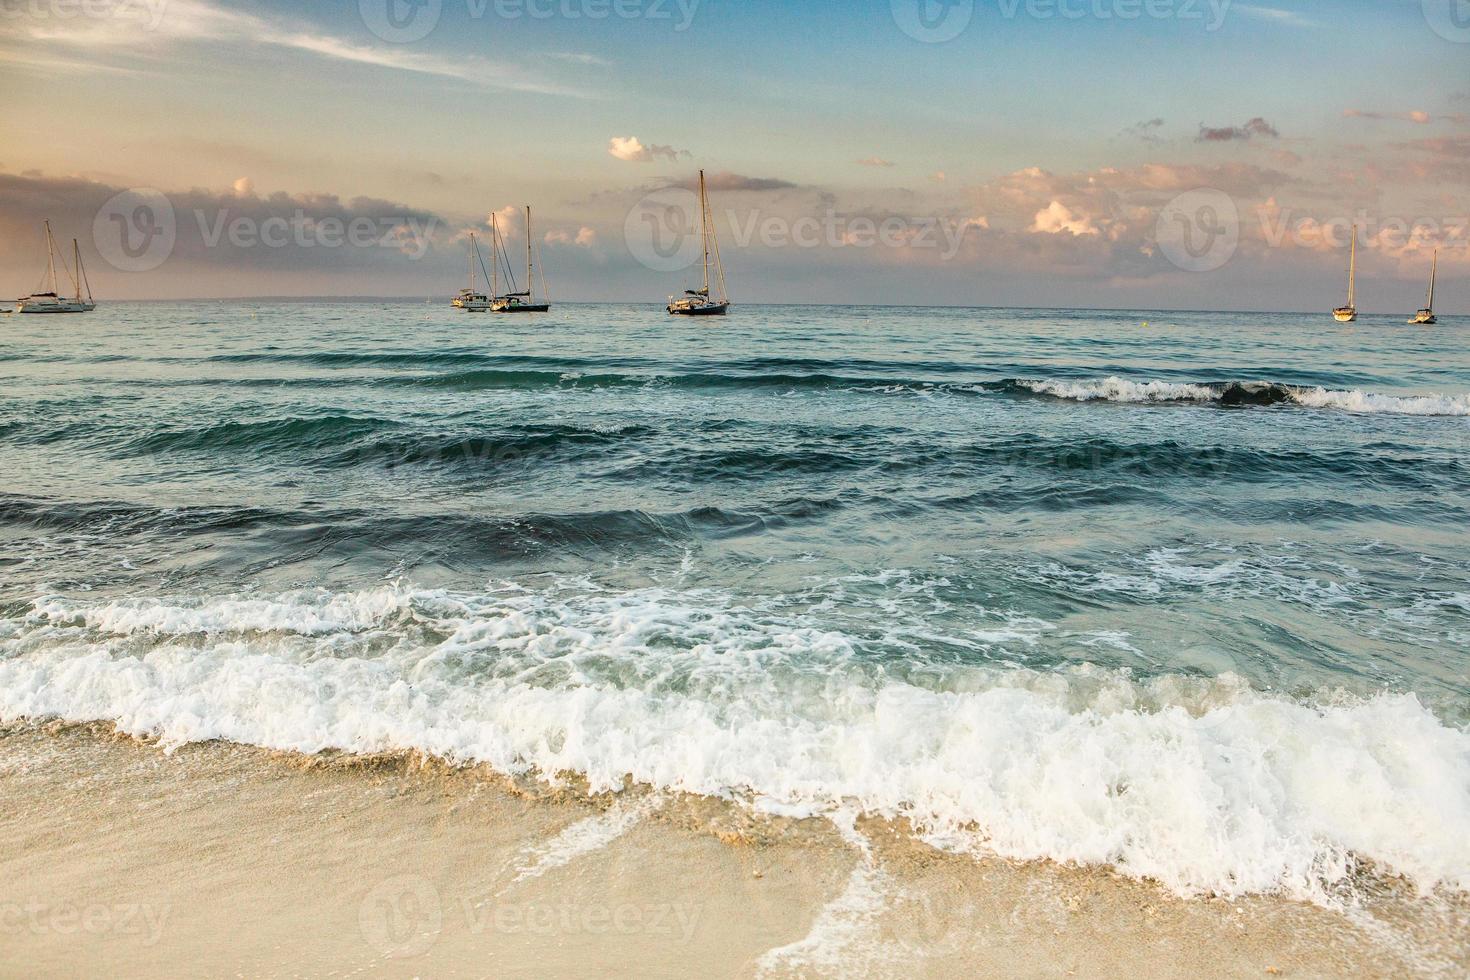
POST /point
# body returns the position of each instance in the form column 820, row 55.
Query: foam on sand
column 1202, row 784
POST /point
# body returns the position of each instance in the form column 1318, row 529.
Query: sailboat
column 47, row 300
column 523, row 302
column 699, row 302
column 1426, row 316
column 471, row 300
column 1349, row 313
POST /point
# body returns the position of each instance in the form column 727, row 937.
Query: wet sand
column 120, row 859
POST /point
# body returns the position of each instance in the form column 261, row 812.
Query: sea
column 1181, row 595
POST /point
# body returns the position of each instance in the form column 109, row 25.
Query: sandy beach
column 230, row 861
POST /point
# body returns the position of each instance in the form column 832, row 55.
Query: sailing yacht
column 1349, row 313
column 523, row 302
column 472, row 300
column 1426, row 316
column 699, row 302
column 47, row 300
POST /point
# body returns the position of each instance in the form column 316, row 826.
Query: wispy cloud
column 875, row 162
column 1148, row 130
column 737, row 182
column 1422, row 118
column 1275, row 15
column 155, row 31
column 1226, row 134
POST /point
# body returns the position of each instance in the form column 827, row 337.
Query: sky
column 1154, row 154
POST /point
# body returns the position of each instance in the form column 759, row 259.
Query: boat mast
column 1433, row 274
column 471, row 260
column 80, row 276
column 494, row 257
column 1353, row 272
column 50, row 258
column 530, row 283
column 704, row 229
column 83, row 271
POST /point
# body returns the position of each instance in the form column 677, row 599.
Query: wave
column 473, row 371
column 1200, row 783
column 1240, row 394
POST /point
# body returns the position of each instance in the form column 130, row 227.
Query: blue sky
column 1055, row 143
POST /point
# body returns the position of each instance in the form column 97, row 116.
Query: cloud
column 1056, row 218
column 233, row 236
column 1256, row 127
column 939, row 176
column 875, row 162
column 1146, row 130
column 727, row 181
column 142, row 34
column 244, row 187
column 632, row 150
column 1440, row 160
column 584, row 238
column 1275, row 15
column 578, row 58
column 1416, row 116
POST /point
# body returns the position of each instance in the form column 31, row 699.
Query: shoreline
column 260, row 862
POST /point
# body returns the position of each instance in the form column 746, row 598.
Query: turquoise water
column 947, row 563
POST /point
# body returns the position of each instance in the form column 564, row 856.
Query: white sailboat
column 523, row 302
column 1426, row 316
column 700, row 302
column 47, row 300
column 471, row 300
column 1349, row 313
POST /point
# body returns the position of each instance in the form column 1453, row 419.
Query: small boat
column 700, row 302
column 521, row 302
column 1426, row 316
column 472, row 300
column 48, row 300
column 1349, row 313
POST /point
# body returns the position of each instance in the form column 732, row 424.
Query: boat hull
column 718, row 309
column 1424, row 317
column 53, row 306
column 1345, row 315
column 523, row 308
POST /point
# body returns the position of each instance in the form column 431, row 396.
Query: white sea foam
column 1205, row 785
column 1363, row 401
column 1117, row 389
column 582, row 837
column 841, row 940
